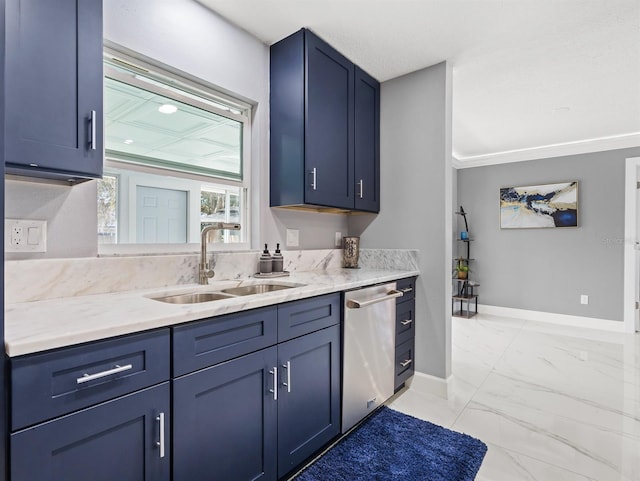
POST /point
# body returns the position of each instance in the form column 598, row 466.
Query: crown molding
column 548, row 151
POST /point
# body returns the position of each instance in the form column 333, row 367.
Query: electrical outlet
column 25, row 235
column 584, row 299
column 338, row 241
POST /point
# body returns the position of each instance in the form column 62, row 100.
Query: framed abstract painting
column 539, row 206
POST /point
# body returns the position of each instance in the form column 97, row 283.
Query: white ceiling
column 531, row 78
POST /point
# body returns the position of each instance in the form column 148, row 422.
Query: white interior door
column 161, row 215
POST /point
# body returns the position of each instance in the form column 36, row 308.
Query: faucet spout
column 205, row 270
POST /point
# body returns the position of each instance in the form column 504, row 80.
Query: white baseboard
column 429, row 384
column 554, row 318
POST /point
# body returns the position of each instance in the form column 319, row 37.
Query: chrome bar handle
column 160, row 443
column 91, row 377
column 314, row 184
column 287, row 366
column 353, row 304
column 361, row 190
column 407, row 289
column 274, row 373
column 92, row 135
column 406, row 322
column 406, row 363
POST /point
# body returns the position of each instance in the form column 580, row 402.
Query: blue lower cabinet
column 225, row 421
column 127, row 438
column 309, row 396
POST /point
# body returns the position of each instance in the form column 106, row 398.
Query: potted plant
column 462, row 268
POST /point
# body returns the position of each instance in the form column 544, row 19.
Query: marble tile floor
column 551, row 402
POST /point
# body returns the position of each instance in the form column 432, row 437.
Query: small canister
column 266, row 261
column 278, row 260
column 351, row 252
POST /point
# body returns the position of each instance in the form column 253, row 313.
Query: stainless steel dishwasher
column 368, row 350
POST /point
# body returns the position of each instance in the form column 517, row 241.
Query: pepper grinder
column 266, row 262
column 278, row 260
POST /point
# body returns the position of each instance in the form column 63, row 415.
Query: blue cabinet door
column 53, row 106
column 309, row 396
column 367, row 142
column 329, row 176
column 225, row 421
column 116, row 440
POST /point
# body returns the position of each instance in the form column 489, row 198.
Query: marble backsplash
column 32, row 280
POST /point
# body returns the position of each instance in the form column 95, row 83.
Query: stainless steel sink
column 255, row 289
column 192, row 298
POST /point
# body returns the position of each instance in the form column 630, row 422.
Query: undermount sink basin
column 255, row 289
column 192, row 298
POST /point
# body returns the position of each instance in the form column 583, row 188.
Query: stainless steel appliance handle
column 287, row 366
column 274, row 373
column 160, row 443
column 392, row 294
column 92, row 135
column 406, row 363
column 90, row 377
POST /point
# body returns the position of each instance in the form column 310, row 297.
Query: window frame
column 239, row 111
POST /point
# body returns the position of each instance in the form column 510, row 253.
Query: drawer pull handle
column 406, row 363
column 287, row 366
column 406, row 322
column 274, row 373
column 407, row 289
column 91, row 377
column 160, row 443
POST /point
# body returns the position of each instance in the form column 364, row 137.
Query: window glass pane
column 222, row 204
column 145, row 127
column 108, row 210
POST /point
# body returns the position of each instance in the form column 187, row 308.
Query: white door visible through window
column 161, row 215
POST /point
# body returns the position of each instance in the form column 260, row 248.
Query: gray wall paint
column 415, row 194
column 547, row 269
column 215, row 51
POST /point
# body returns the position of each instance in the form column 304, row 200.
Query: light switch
column 293, row 237
column 33, row 236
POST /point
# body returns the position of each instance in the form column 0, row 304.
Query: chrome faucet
column 205, row 270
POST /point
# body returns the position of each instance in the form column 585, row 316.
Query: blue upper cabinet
column 53, row 88
column 324, row 128
column 367, row 142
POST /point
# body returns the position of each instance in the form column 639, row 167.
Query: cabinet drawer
column 408, row 288
column 47, row 385
column 405, row 321
column 307, row 315
column 404, row 362
column 208, row 342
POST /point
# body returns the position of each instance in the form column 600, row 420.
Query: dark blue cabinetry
column 225, row 421
column 309, row 398
column 405, row 332
column 53, row 88
column 324, row 127
column 257, row 414
column 116, row 440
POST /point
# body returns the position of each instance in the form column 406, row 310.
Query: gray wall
column 548, row 269
column 416, row 200
column 191, row 38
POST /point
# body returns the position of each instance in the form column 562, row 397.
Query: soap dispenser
column 278, row 260
column 266, row 261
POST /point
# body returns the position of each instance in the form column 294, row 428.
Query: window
column 177, row 158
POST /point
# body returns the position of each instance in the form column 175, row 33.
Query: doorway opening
column 632, row 245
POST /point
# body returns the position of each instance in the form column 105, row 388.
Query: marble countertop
column 41, row 325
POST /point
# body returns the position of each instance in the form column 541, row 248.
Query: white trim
column 554, row 318
column 428, row 384
column 632, row 172
column 548, row 151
